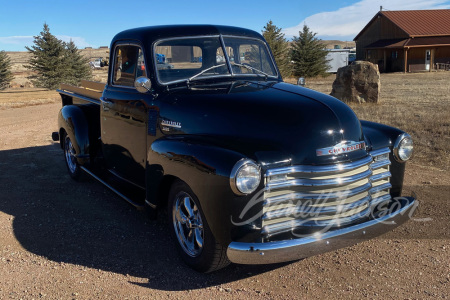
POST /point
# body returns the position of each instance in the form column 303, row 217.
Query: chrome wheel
column 188, row 224
column 69, row 152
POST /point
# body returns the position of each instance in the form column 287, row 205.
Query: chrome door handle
column 106, row 104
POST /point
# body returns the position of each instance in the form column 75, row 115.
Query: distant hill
column 329, row 44
column 20, row 58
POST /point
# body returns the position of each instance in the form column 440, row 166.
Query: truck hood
column 274, row 123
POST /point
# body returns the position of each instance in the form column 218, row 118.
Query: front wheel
column 194, row 239
column 71, row 161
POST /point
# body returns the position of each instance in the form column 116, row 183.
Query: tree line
column 54, row 61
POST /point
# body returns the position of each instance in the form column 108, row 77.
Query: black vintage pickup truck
column 197, row 120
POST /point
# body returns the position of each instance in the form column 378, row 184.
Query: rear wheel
column 71, row 161
column 194, row 239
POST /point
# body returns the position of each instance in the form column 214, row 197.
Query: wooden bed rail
column 91, row 89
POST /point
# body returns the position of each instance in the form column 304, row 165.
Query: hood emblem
column 342, row 147
column 171, row 124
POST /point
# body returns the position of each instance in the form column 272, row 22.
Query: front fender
column 380, row 136
column 206, row 169
column 73, row 121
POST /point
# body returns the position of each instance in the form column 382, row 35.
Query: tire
column 71, row 161
column 193, row 237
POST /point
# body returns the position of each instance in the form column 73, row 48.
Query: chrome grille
column 318, row 196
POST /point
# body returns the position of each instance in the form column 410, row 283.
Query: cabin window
column 179, row 59
column 128, row 65
column 169, row 55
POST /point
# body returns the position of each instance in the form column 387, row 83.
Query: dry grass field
column 418, row 103
column 20, row 97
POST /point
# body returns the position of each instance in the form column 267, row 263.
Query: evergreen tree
column 47, row 60
column 76, row 65
column 280, row 48
column 309, row 55
column 5, row 70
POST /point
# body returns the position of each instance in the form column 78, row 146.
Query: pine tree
column 76, row 65
column 280, row 48
column 5, row 70
column 47, row 60
column 309, row 55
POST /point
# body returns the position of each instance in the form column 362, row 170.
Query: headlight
column 245, row 177
column 403, row 147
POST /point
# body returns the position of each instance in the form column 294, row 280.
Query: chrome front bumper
column 289, row 250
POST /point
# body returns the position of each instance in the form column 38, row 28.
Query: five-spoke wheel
column 188, row 224
column 71, row 161
column 194, row 239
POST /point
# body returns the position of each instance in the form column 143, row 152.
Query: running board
column 138, row 206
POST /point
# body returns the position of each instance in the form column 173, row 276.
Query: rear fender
column 73, row 121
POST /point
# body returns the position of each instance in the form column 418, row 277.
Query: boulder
column 357, row 83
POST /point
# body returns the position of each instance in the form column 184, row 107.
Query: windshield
column 189, row 59
column 248, row 56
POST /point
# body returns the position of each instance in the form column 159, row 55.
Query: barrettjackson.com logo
column 305, row 212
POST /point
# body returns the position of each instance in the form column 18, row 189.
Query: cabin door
column 124, row 117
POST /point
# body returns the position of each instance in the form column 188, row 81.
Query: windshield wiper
column 248, row 67
column 204, row 71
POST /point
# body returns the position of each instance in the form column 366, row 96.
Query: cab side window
column 128, row 65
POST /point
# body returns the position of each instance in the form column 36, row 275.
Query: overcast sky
column 94, row 23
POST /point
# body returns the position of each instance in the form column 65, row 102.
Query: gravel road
column 60, row 239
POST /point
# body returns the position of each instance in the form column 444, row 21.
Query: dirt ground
column 60, row 239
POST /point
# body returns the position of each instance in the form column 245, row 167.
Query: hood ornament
column 340, row 148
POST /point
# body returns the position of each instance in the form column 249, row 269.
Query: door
column 427, row 59
column 124, row 117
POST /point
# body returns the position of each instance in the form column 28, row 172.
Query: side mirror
column 143, row 84
column 301, row 81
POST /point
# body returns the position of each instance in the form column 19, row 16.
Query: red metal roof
column 417, row 22
column 421, row 22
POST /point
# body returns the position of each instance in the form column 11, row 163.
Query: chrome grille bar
column 338, row 181
column 338, row 168
column 380, row 164
column 379, row 200
column 298, row 223
column 377, row 189
column 317, row 196
column 380, row 176
column 327, row 210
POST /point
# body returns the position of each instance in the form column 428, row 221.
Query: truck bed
column 90, row 91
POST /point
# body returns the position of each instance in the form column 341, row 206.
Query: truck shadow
column 83, row 223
